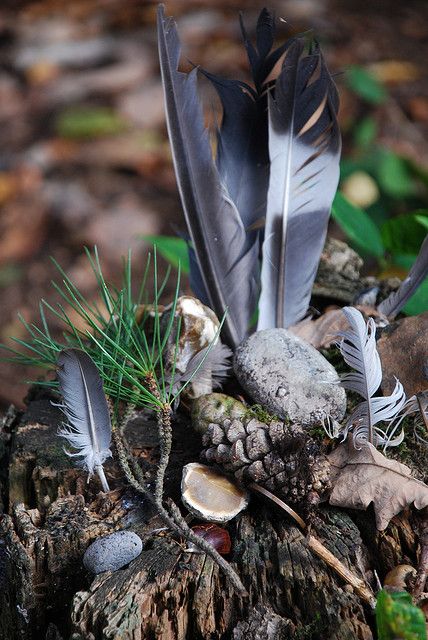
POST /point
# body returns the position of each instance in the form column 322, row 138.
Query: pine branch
column 174, row 519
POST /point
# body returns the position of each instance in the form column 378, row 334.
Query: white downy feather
column 415, row 404
column 358, row 348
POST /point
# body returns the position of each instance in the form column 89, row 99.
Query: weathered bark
column 166, row 593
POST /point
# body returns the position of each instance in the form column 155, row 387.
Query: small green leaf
column 404, row 234
column 398, row 619
column 393, row 174
column 89, row 122
column 358, row 226
column 174, row 250
column 418, row 303
column 365, row 85
column 365, row 133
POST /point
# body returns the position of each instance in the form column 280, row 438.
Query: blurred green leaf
column 365, row 133
column 358, row 226
column 397, row 618
column 173, row 249
column 418, row 303
column 393, row 174
column 404, row 260
column 422, row 217
column 365, row 85
column 404, row 234
column 89, row 122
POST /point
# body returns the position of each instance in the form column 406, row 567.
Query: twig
column 165, row 443
column 322, row 552
column 208, row 548
column 349, row 576
column 279, row 502
column 165, row 437
column 126, row 416
column 174, row 519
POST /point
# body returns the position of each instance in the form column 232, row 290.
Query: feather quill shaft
column 304, row 150
column 358, row 348
column 228, row 261
column 417, row 274
column 85, row 405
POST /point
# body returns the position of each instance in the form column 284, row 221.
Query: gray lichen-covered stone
column 289, row 377
column 112, row 552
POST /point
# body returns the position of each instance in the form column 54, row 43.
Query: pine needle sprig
column 127, row 347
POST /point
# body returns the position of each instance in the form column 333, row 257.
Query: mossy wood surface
column 51, row 514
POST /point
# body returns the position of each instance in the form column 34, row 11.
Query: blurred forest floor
column 84, row 156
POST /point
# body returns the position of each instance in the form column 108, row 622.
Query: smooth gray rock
column 112, row 552
column 289, row 377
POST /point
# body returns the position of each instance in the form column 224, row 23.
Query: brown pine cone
column 281, row 457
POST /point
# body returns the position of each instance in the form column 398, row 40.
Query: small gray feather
column 85, row 405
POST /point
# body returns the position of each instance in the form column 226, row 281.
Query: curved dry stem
column 174, row 520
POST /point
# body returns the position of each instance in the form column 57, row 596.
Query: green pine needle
column 126, row 352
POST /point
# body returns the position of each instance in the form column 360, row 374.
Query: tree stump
column 51, row 514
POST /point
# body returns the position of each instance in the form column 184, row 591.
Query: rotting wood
column 167, row 593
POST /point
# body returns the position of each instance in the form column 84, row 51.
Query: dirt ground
column 84, row 154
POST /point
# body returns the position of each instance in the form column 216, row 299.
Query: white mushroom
column 210, row 495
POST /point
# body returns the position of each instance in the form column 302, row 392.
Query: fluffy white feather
column 85, row 405
column 416, row 404
column 358, row 348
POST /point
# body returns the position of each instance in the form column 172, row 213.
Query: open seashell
column 198, row 330
column 210, row 495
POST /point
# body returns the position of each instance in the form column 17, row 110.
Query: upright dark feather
column 242, row 149
column 417, row 274
column 278, row 151
column 227, row 260
column 261, row 59
column 304, row 149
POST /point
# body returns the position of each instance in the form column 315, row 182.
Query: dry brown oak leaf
column 364, row 475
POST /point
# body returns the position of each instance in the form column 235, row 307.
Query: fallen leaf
column 403, row 350
column 322, row 332
column 362, row 476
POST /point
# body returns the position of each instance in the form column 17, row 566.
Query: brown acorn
column 215, row 535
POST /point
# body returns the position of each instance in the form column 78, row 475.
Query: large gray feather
column 417, row 274
column 227, row 260
column 304, row 149
column 85, row 405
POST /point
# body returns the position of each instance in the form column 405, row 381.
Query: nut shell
column 210, row 495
